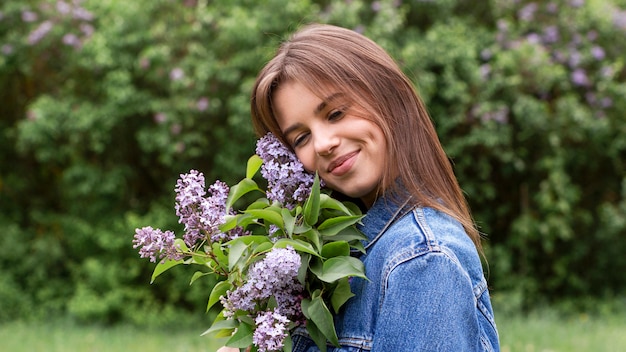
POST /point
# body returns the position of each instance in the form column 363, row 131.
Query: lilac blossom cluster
column 580, row 53
column 271, row 330
column 276, row 276
column 288, row 182
column 156, row 244
column 56, row 14
column 202, row 215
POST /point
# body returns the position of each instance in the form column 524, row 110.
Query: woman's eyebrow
column 317, row 111
column 325, row 102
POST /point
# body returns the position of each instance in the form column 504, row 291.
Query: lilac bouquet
column 282, row 259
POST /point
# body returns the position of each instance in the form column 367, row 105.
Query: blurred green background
column 103, row 103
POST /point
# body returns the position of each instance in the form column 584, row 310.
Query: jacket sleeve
column 428, row 305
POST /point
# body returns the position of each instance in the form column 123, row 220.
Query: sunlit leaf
column 163, row 267
column 244, row 186
column 218, row 290
column 312, row 204
column 242, row 338
column 253, row 166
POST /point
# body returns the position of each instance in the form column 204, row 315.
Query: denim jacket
column 427, row 291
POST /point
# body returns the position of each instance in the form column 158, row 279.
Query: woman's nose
column 325, row 142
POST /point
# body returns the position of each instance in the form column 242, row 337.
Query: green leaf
column 218, row 251
column 287, row 344
column 336, row 268
column 260, row 203
column 197, row 275
column 336, row 249
column 237, row 191
column 163, row 267
column 242, row 338
column 333, row 226
column 269, row 214
column 328, row 202
column 305, row 258
column 253, row 166
column 323, row 319
column 348, row 234
column 221, row 325
column 218, row 290
column 263, row 247
column 312, row 204
column 247, row 240
column 235, row 253
column 341, row 294
column 313, row 237
column 289, row 220
column 298, row 245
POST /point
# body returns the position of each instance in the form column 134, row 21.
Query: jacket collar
column 383, row 213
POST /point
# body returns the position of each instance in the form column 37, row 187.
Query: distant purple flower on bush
column 579, row 77
column 156, row 244
column 202, row 104
column 63, row 7
column 87, row 29
column 71, row 39
column 533, row 38
column 288, row 182
column 527, row 13
column 177, row 74
column 271, row 330
column 40, row 32
column 7, row 49
column 619, row 19
column 29, row 16
column 598, row 53
column 551, row 34
column 82, row 14
column 577, row 3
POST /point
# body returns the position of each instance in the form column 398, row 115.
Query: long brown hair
column 323, row 56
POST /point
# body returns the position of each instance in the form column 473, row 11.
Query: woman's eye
column 335, row 115
column 299, row 140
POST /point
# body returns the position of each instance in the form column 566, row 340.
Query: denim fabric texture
column 427, row 291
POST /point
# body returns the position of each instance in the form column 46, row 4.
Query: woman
column 349, row 113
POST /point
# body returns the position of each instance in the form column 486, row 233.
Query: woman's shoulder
column 426, row 231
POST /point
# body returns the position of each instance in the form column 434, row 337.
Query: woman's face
column 347, row 151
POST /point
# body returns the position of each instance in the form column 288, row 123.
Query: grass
column 539, row 332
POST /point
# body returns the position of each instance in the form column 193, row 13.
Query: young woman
column 349, row 113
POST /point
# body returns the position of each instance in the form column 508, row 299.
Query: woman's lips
column 342, row 164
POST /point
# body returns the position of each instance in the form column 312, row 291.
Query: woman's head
column 329, row 60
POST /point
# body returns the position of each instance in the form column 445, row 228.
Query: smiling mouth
column 342, row 164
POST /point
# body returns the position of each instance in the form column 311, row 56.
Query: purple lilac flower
column 156, row 244
column 63, row 7
column 202, row 104
column 288, row 182
column 29, row 16
column 87, row 29
column 7, row 49
column 271, row 330
column 551, row 34
column 199, row 213
column 577, row 3
column 71, row 39
column 579, row 77
column 82, row 14
column 619, row 19
column 598, row 53
column 177, row 74
column 276, row 275
column 40, row 32
column 213, row 211
column 533, row 38
column 527, row 13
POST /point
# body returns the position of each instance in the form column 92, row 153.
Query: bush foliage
column 104, row 103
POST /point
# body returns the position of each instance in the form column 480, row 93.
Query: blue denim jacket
column 427, row 290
